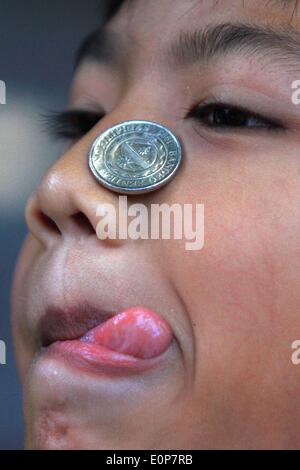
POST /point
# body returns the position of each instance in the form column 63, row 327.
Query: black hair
column 107, row 8
column 110, row 8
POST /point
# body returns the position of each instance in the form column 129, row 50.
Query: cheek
column 23, row 342
column 241, row 289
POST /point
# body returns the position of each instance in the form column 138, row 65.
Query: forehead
column 145, row 35
column 164, row 15
column 148, row 25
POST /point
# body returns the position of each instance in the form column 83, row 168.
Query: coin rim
column 122, row 189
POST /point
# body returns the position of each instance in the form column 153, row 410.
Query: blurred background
column 37, row 44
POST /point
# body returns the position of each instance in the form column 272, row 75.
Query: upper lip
column 71, row 303
column 61, row 325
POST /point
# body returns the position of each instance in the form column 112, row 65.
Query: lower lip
column 96, row 359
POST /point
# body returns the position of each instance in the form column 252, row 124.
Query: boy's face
column 227, row 380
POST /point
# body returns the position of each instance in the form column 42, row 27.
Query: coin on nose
column 135, row 157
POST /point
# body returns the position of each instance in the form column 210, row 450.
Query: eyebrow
column 203, row 45
column 101, row 45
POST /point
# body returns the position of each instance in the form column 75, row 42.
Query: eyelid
column 59, row 124
column 275, row 124
column 253, row 96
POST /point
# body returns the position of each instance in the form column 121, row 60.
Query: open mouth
column 132, row 340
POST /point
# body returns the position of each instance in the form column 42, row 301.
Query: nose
column 66, row 200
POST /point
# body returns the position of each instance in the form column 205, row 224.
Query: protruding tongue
column 137, row 332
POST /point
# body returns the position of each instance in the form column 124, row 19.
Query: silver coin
column 135, row 157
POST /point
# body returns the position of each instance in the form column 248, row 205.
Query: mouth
column 129, row 341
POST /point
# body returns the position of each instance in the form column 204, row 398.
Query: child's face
column 227, row 379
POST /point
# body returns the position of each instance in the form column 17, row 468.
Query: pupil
column 230, row 117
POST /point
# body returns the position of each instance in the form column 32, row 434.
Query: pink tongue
column 137, row 332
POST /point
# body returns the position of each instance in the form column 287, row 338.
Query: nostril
column 83, row 223
column 47, row 222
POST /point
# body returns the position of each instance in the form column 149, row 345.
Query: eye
column 227, row 117
column 72, row 124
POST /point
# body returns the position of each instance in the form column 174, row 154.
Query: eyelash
column 74, row 124
column 234, row 117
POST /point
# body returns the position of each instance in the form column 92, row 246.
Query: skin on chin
column 227, row 381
